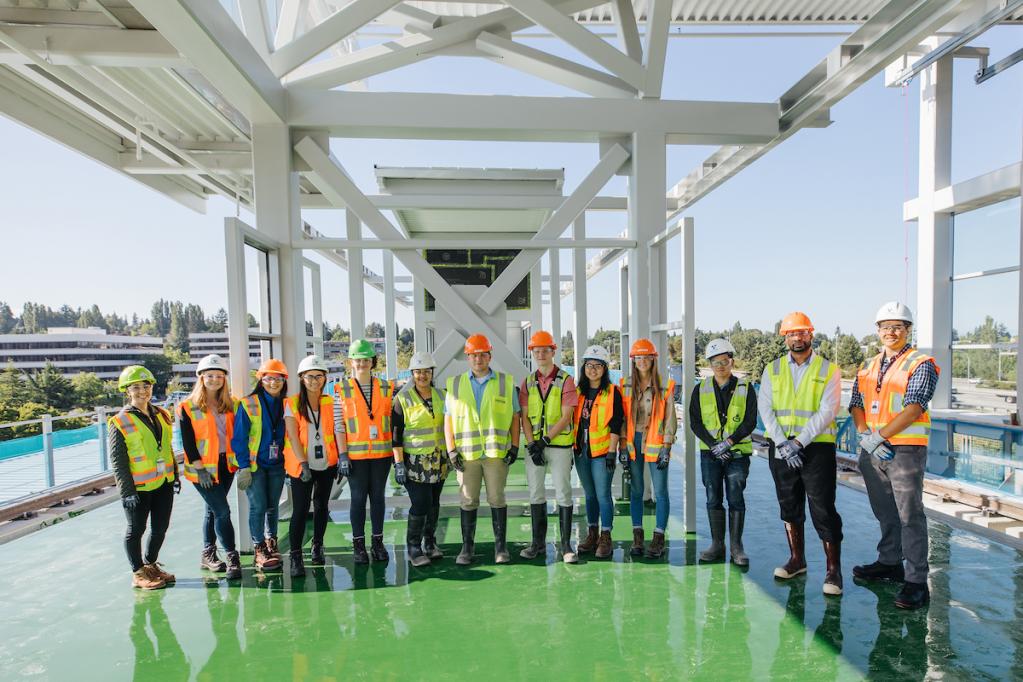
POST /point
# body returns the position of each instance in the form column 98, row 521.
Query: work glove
column 720, row 451
column 305, row 475
column 244, row 478
column 512, row 455
column 344, row 466
column 663, row 457
column 536, row 453
column 457, row 460
column 792, row 453
column 873, row 443
column 205, row 480
column 177, row 485
column 610, row 463
column 623, row 453
column 399, row 473
column 130, row 502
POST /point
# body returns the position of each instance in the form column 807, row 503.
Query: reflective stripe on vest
column 292, row 464
column 794, row 407
column 547, row 413
column 889, row 400
column 424, row 432
column 207, row 441
column 486, row 433
column 653, row 438
column 359, row 428
column 601, row 412
column 733, row 417
column 254, row 410
column 151, row 463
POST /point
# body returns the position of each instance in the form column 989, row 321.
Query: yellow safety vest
column 254, row 410
column 546, row 413
column 151, row 463
column 733, row 417
column 486, row 433
column 424, row 432
column 793, row 408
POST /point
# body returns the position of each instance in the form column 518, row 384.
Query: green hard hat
column 361, row 348
column 132, row 374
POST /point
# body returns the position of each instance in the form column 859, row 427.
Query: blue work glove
column 512, row 455
column 205, row 479
column 873, row 443
column 399, row 473
column 720, row 451
column 305, row 475
column 610, row 463
column 792, row 453
column 344, row 466
column 244, row 478
column 130, row 502
column 663, row 457
column 457, row 460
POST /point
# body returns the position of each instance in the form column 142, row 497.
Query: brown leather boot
column 265, row 560
column 637, row 542
column 590, row 543
column 604, row 549
column 143, row 579
column 273, row 549
column 833, row 576
column 797, row 557
column 656, row 548
column 155, row 569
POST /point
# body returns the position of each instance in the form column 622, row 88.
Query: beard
column 799, row 346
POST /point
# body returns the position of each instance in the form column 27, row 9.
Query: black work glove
column 623, row 453
column 177, row 485
column 305, row 475
column 512, row 455
column 536, row 453
column 610, row 463
column 130, row 502
column 205, row 480
column 663, row 457
column 399, row 473
column 344, row 466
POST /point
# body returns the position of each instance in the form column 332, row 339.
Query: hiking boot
column 833, row 576
column 736, row 521
column 234, row 566
column 637, row 542
column 210, row 561
column 272, row 549
column 565, row 521
column 377, row 550
column 538, row 517
column 297, row 564
column 913, row 596
column 468, row 519
column 656, row 548
column 359, row 551
column 430, row 548
column 414, row 541
column 590, row 543
column 145, row 580
column 880, row 572
column 499, row 521
column 264, row 560
column 604, row 549
column 716, row 551
column 316, row 555
column 156, row 570
column 797, row 557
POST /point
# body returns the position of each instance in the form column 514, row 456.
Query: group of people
column 362, row 428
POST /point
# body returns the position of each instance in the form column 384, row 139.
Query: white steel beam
column 658, row 24
column 411, row 19
column 554, row 69
column 498, row 242
column 150, row 165
column 690, row 454
column 628, row 32
column 288, row 18
column 356, row 291
column 255, row 25
column 79, row 46
column 646, row 187
column 497, row 202
column 623, row 314
column 237, row 332
column 969, row 195
column 573, row 206
column 1019, row 301
column 392, row 115
column 390, row 332
column 580, row 334
column 554, row 267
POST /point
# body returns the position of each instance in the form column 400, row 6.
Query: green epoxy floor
column 69, row 613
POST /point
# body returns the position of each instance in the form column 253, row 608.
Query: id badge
column 275, row 451
column 317, row 452
column 875, row 407
column 374, row 433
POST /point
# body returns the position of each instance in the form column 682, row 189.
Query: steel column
column 356, row 292
column 554, row 269
column 646, row 219
column 390, row 333
column 580, row 334
column 688, row 365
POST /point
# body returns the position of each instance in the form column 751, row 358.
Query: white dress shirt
column 821, row 419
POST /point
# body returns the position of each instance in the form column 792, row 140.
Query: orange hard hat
column 642, row 347
column 795, row 322
column 477, row 343
column 541, row 339
column 272, row 366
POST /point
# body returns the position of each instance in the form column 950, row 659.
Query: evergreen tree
column 7, row 319
column 177, row 335
column 51, row 388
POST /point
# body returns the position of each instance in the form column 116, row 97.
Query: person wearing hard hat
column 547, row 402
column 258, row 443
column 417, row 425
column 362, row 413
column 481, row 431
column 146, row 473
column 889, row 408
column 649, row 431
column 723, row 415
column 799, row 397
column 310, row 459
column 206, row 425
column 598, row 420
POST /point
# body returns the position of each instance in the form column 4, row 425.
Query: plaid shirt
column 919, row 388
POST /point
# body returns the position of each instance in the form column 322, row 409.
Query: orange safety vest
column 292, row 464
column 207, row 440
column 601, row 412
column 881, row 407
column 653, row 439
column 367, row 437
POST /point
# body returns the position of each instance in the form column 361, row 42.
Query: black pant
column 318, row 492
column 815, row 481
column 155, row 504
column 368, row 479
column 423, row 496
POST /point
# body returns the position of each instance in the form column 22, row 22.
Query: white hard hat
column 312, row 362
column 211, row 362
column 717, row 347
column 893, row 310
column 597, row 353
column 422, row 359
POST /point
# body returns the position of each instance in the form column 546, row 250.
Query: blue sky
column 814, row 225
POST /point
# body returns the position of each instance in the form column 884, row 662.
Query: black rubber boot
column 468, row 537
column 565, row 522
column 538, row 517
column 234, row 566
column 414, row 541
column 297, row 564
column 430, row 548
column 716, row 551
column 359, row 550
column 377, row 550
column 736, row 521
column 499, row 519
column 317, row 557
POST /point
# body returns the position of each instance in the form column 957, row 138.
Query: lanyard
column 275, row 423
column 369, row 401
column 891, row 363
column 428, row 404
column 316, row 419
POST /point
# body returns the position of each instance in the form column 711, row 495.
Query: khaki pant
column 494, row 471
column 559, row 461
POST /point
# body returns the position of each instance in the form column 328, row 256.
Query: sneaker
column 880, row 572
column 210, row 561
column 143, row 579
column 913, row 596
column 156, row 571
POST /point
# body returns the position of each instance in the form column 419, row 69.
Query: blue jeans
column 264, row 502
column 216, row 522
column 596, row 482
column 659, row 483
column 730, row 476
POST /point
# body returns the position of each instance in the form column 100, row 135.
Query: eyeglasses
column 720, row 363
column 796, row 335
column 892, row 328
column 593, row 365
column 271, row 379
column 313, row 377
column 421, row 372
